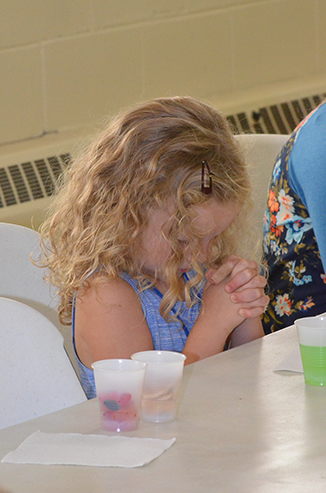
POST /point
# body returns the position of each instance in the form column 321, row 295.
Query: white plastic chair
column 37, row 377
column 260, row 152
column 21, row 280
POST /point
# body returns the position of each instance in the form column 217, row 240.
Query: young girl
column 140, row 241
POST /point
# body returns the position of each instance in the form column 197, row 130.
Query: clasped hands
column 243, row 283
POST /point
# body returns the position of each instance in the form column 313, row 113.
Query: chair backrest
column 260, row 152
column 21, row 280
column 37, row 377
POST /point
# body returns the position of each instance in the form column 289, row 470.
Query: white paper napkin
column 291, row 362
column 87, row 450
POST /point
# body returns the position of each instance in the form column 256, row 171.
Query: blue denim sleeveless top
column 168, row 335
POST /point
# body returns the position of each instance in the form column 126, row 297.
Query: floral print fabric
column 296, row 279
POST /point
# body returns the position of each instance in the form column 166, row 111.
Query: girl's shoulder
column 109, row 291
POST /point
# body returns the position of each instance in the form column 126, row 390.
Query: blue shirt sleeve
column 307, row 172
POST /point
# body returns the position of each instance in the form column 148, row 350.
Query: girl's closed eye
column 183, row 242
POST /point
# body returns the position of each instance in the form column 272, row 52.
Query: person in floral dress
column 294, row 241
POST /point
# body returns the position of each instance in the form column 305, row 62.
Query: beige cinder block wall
column 67, row 64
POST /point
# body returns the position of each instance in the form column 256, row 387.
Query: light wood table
column 241, row 428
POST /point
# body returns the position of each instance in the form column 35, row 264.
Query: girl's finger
column 254, row 308
column 242, row 280
column 245, row 280
column 215, row 276
column 250, row 296
column 252, row 312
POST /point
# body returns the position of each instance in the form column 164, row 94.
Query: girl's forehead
column 207, row 219
column 213, row 217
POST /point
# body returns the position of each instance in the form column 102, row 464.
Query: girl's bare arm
column 233, row 301
column 110, row 323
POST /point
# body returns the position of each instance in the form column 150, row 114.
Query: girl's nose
column 187, row 255
column 203, row 253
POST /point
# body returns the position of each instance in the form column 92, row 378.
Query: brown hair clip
column 206, row 179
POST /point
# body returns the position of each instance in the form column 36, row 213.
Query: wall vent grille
column 275, row 119
column 32, row 180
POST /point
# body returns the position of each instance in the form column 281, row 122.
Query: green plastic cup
column 312, row 340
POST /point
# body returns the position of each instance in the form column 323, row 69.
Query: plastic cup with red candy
column 119, row 385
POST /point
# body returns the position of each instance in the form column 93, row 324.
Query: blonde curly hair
column 146, row 157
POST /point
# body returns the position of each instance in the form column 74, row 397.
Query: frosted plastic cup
column 162, row 383
column 312, row 340
column 119, row 386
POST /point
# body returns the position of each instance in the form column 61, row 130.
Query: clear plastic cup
column 312, row 340
column 162, row 383
column 119, row 385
